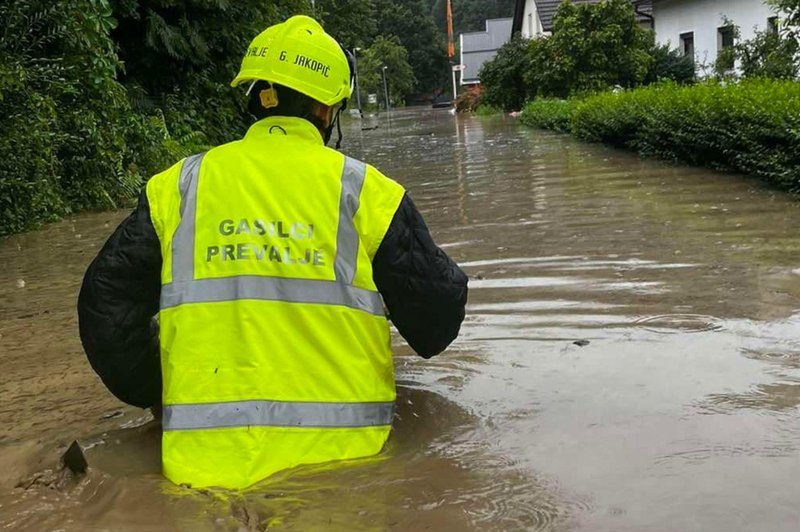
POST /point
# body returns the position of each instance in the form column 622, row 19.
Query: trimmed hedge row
column 751, row 127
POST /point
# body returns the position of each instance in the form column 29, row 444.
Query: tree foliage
column 97, row 95
column 669, row 64
column 790, row 10
column 388, row 52
column 503, row 85
column 70, row 139
column 352, row 22
column 411, row 23
column 593, row 47
column 768, row 55
column 181, row 55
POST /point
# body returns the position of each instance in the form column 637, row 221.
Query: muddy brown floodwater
column 676, row 410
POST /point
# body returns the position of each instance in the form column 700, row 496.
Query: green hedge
column 751, row 127
column 548, row 113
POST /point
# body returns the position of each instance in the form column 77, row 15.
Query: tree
column 670, row 64
column 351, row 22
column 70, row 138
column 791, row 12
column 411, row 23
column 386, row 51
column 180, row 56
column 593, row 47
column 502, row 77
column 768, row 55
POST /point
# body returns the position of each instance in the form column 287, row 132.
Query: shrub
column 751, row 127
column 594, row 46
column 768, row 55
column 71, row 139
column 468, row 101
column 548, row 113
column 670, row 65
column 501, row 78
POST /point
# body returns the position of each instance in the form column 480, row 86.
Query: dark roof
column 547, row 10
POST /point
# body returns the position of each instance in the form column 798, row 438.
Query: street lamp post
column 358, row 91
column 385, row 90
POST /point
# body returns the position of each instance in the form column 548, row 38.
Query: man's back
column 272, row 328
column 269, row 262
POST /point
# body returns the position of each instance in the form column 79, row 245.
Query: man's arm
column 116, row 306
column 424, row 290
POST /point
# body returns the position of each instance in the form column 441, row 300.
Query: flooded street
column 630, row 359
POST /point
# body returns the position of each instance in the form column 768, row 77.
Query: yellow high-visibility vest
column 275, row 349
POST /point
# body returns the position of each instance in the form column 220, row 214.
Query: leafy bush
column 768, row 55
column 469, row 100
column 400, row 78
column 71, row 140
column 548, row 113
column 593, row 47
column 751, row 127
column 501, row 78
column 669, row 64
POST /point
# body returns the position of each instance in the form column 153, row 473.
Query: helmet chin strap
column 338, row 123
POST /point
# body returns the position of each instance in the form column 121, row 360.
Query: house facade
column 702, row 28
column 479, row 47
column 699, row 28
column 534, row 18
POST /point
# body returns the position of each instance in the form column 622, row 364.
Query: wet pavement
column 630, row 359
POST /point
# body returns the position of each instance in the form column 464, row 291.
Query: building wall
column 531, row 25
column 481, row 46
column 703, row 18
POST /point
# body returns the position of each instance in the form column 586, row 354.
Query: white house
column 478, row 47
column 534, row 18
column 702, row 28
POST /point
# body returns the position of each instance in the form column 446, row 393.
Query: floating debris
column 581, row 343
column 74, row 459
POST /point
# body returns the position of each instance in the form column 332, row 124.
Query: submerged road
column 630, row 359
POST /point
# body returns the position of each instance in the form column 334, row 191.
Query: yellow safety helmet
column 299, row 54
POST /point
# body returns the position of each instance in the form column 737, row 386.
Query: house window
column 772, row 25
column 687, row 44
column 725, row 37
column 725, row 41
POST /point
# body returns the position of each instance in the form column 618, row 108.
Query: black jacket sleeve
column 116, row 309
column 424, row 290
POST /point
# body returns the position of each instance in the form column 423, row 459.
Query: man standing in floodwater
column 269, row 261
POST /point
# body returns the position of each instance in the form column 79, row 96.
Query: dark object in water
column 74, row 459
column 441, row 101
column 581, row 343
column 369, row 128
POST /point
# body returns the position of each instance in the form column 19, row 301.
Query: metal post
column 455, row 89
column 358, row 91
column 385, row 90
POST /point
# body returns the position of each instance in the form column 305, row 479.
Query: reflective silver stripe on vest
column 184, row 288
column 271, row 289
column 183, row 240
column 353, row 175
column 276, row 414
